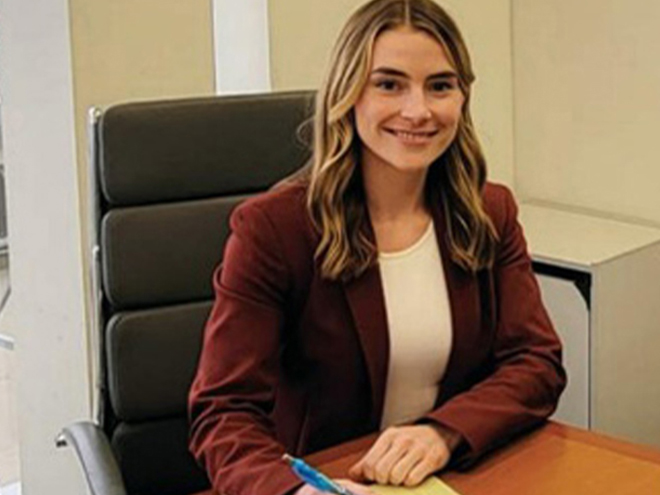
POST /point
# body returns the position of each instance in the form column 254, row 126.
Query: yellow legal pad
column 432, row 486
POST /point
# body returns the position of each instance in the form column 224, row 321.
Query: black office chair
column 165, row 177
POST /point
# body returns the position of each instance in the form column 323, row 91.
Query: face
column 410, row 107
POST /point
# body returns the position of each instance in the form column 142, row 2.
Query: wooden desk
column 554, row 460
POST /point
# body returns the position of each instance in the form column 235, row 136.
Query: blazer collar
column 367, row 304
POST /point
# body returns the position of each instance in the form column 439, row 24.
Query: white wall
column 587, row 104
column 242, row 55
column 59, row 57
column 303, row 31
column 45, row 313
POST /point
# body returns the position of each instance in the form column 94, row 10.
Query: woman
column 389, row 289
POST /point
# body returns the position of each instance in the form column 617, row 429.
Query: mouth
column 417, row 136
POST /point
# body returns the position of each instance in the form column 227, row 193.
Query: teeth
column 413, row 135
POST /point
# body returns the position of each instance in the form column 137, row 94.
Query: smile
column 412, row 136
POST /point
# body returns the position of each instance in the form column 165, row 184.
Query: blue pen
column 314, row 478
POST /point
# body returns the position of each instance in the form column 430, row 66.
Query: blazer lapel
column 367, row 303
column 366, row 300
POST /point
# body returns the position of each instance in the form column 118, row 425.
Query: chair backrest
column 168, row 174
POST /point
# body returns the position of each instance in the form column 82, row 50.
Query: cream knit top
column 420, row 332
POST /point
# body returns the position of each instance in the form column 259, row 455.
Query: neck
column 392, row 194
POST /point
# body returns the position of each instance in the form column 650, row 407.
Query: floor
column 9, row 466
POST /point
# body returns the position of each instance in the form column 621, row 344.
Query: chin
column 414, row 164
column 409, row 167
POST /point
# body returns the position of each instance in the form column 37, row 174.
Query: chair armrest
column 95, row 455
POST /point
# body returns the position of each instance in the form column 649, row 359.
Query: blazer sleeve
column 528, row 376
column 232, row 396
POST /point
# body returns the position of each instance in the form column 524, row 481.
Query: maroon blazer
column 295, row 363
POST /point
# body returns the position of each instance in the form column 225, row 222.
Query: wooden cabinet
column 600, row 280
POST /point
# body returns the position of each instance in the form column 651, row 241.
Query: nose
column 415, row 107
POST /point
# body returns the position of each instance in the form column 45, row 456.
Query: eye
column 387, row 84
column 441, row 85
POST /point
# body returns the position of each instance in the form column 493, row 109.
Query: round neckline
column 389, row 255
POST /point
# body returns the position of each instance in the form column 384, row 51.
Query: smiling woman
column 388, row 287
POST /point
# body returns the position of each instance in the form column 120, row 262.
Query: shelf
column 580, row 241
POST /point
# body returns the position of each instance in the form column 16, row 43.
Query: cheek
column 449, row 114
column 366, row 120
column 369, row 112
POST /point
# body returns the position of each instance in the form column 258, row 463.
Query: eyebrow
column 388, row 71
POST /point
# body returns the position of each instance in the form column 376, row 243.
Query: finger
column 401, row 469
column 355, row 472
column 307, row 490
column 418, row 473
column 403, row 449
column 365, row 468
column 351, row 486
column 403, row 452
column 424, row 468
column 385, row 464
column 355, row 488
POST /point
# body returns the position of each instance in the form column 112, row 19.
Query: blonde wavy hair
column 336, row 197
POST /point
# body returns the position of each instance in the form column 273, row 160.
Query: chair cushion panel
column 154, row 458
column 163, row 254
column 152, row 358
column 204, row 147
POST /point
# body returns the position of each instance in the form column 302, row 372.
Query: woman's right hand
column 353, row 487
